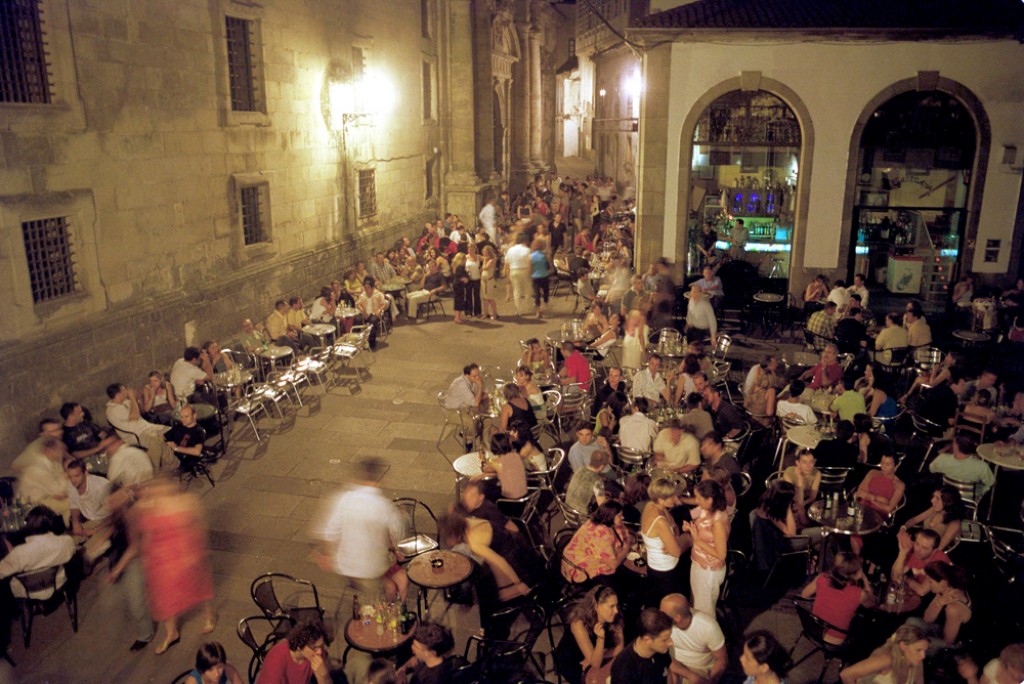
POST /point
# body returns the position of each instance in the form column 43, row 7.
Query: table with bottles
column 378, row 627
column 12, row 515
column 842, row 514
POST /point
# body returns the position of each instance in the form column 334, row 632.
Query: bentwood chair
column 39, row 592
column 813, row 629
column 279, row 597
column 497, row 659
column 259, row 634
column 421, row 521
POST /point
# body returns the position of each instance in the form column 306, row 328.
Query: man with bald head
column 698, row 644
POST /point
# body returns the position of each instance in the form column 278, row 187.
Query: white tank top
column 657, row 559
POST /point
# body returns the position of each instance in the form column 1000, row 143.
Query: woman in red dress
column 168, row 533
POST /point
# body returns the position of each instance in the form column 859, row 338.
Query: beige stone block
column 16, row 181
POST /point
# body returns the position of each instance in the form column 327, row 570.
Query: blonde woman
column 900, row 660
column 634, row 340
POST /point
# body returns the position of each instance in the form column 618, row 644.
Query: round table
column 232, row 379
column 364, row 637
column 911, row 600
column 1010, row 457
column 805, row 436
column 347, row 316
column 768, row 298
column 453, row 570
column 768, row 311
column 836, row 521
column 321, row 331
column 971, row 337
column 468, row 465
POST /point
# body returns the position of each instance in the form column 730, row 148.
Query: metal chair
column 275, row 592
column 834, row 479
column 465, row 434
column 630, row 460
column 418, row 541
column 935, row 447
column 190, row 467
column 721, row 347
column 813, row 629
column 272, row 393
column 817, row 342
column 773, row 477
column 926, row 428
column 259, row 634
column 44, row 590
column 548, row 422
column 741, row 483
column 316, row 366
column 496, row 658
column 968, row 493
column 522, row 508
column 1007, row 545
column 573, row 409
column 249, row 405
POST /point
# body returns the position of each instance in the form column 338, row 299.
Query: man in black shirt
column 840, row 452
column 645, row 660
column 941, row 402
column 476, row 504
column 727, row 418
column 186, row 438
column 851, row 333
column 83, row 437
column 613, row 384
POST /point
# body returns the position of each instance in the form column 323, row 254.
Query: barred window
column 254, row 203
column 24, row 71
column 428, row 91
column 51, row 258
column 244, row 74
column 367, row 193
column 429, row 172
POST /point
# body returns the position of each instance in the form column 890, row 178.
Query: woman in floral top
column 599, row 546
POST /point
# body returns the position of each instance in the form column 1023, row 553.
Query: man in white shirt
column 358, row 529
column 636, row 430
column 90, row 516
column 186, row 372
column 649, row 384
column 697, row 641
column 460, row 402
column 124, row 413
column 41, row 478
column 372, row 305
column 861, row 289
column 488, row 220
column 517, row 265
column 700, row 316
column 128, row 465
column 841, row 296
column 676, row 449
column 792, row 407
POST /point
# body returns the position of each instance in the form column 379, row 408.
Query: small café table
column 767, row 308
column 321, row 331
column 804, row 436
column 348, row 317
column 838, row 521
column 231, row 379
column 970, row 338
column 1010, row 456
column 273, row 354
column 437, row 570
column 364, row 637
column 469, row 466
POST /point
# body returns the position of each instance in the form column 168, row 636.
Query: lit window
column 51, row 259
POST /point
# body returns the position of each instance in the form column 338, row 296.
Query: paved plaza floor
column 266, row 493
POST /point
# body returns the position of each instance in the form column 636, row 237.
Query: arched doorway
column 744, row 173
column 913, row 189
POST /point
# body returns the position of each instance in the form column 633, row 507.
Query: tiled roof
column 972, row 17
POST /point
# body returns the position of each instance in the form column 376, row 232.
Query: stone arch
column 749, row 81
column 925, row 80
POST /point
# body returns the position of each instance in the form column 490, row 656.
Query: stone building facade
column 169, row 168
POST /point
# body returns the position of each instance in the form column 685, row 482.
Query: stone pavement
column 266, row 494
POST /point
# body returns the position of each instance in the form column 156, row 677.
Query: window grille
column 243, row 65
column 24, row 71
column 367, row 193
column 51, row 258
column 358, row 63
column 254, row 201
column 425, row 18
column 428, row 92
column 429, row 174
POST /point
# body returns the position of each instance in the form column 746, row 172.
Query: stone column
column 462, row 185
column 653, row 157
column 519, row 116
column 536, row 99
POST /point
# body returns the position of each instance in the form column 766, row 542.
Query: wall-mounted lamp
column 602, row 92
column 358, row 102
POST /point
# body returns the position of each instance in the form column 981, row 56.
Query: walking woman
column 474, row 267
column 540, row 274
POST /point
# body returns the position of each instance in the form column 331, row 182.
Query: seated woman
column 158, row 400
column 880, row 490
column 950, row 607
column 687, row 368
column 936, row 376
column 839, row 594
column 606, row 422
column 529, row 450
column 944, row 515
column 595, row 322
column 599, row 546
column 212, row 666
column 594, row 637
column 516, row 408
column 508, row 465
column 324, row 307
column 763, row 659
column 871, row 443
column 807, row 481
column 535, row 356
column 878, row 393
column 43, row 548
column 215, row 361
column 771, row 522
column 635, row 497
column 761, row 388
column 352, row 287
column 529, row 389
column 900, row 660
column 608, row 337
column 815, row 294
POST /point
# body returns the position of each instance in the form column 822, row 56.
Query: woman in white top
column 608, row 337
column 634, row 340
column 474, row 267
column 662, row 539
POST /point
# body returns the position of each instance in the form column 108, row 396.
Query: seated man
column 841, row 452
column 939, row 405
column 433, row 285
column 464, row 395
column 696, row 415
column 919, row 334
column 851, row 333
column 649, row 384
column 793, row 406
column 83, row 438
column 646, row 658
column 474, row 502
column 90, row 517
column 254, row 337
column 711, row 285
column 42, row 548
column 575, row 369
column 124, row 413
column 850, row 402
column 827, row 373
column 187, row 376
column 278, row 330
column 963, row 464
column 187, row 438
column 892, row 336
column 580, row 494
column 915, row 553
column 298, row 658
column 128, row 465
column 636, row 430
column 823, row 325
column 613, row 383
column 676, row 449
column 727, row 418
column 428, row 665
column 584, row 447
column 41, row 478
column 48, row 427
column 698, row 645
column 373, row 306
column 712, row 449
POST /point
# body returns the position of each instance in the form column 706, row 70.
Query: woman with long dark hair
column 599, row 546
column 763, row 659
column 943, row 516
column 593, row 637
column 838, row 594
column 709, row 528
